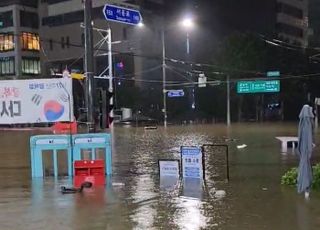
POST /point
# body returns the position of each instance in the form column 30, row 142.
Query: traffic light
column 110, row 107
column 105, row 108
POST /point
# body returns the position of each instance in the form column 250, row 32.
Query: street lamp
column 140, row 24
column 187, row 23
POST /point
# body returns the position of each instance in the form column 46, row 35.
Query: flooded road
column 135, row 198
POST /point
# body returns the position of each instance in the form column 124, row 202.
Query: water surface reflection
column 136, row 198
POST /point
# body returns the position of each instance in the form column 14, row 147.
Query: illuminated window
column 6, row 42
column 31, row 65
column 30, row 41
column 7, row 66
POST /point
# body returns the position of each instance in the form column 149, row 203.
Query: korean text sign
column 192, row 165
column 169, row 168
column 36, row 101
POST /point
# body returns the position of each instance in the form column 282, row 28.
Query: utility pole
column 228, row 102
column 89, row 65
column 188, row 44
column 164, row 80
column 110, row 115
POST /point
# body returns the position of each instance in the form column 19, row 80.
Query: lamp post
column 164, row 79
column 187, row 23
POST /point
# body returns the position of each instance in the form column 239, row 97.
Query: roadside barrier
column 92, row 171
column 53, row 143
column 74, row 145
column 93, row 142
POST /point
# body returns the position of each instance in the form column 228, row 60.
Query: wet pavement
column 135, row 197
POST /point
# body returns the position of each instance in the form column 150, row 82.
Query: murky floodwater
column 135, row 197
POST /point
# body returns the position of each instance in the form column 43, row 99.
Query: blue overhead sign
column 122, row 15
column 176, row 93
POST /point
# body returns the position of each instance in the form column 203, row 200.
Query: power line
column 179, row 74
column 183, row 62
column 46, row 40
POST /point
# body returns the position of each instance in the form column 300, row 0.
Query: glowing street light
column 187, row 22
column 140, row 24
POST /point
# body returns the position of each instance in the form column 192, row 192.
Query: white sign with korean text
column 169, row 168
column 191, row 158
column 36, row 101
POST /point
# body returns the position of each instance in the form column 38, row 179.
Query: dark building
column 19, row 39
column 38, row 38
column 314, row 12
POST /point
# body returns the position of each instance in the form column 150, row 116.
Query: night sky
column 217, row 19
column 225, row 16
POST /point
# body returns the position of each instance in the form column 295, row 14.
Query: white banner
column 36, row 101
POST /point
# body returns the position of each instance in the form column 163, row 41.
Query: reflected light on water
column 189, row 206
column 143, row 198
column 189, row 214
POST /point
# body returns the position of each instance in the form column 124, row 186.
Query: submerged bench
column 285, row 141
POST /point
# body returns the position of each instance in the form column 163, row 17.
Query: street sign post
column 258, row 86
column 192, row 162
column 169, row 168
column 122, row 15
column 176, row 93
column 273, row 74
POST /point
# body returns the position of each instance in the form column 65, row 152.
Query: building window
column 30, row 41
column 31, row 65
column 6, row 42
column 68, row 41
column 290, row 30
column 289, row 10
column 30, row 3
column 6, row 19
column 51, row 44
column 29, row 19
column 62, row 42
column 7, row 66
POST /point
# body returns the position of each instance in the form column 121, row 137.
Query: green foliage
column 316, row 176
column 290, row 177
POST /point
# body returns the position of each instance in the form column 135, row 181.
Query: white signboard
column 169, row 168
column 191, row 158
column 36, row 101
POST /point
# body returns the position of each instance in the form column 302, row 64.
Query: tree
column 243, row 55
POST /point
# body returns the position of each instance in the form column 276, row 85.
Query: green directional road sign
column 273, row 74
column 258, row 86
